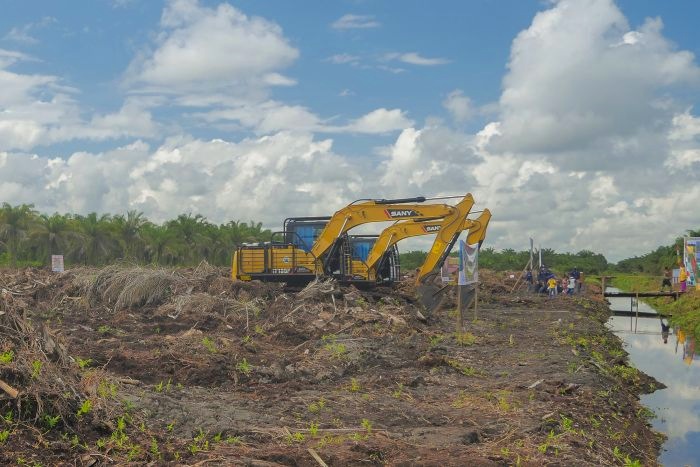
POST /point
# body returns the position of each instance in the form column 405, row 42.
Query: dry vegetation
column 186, row 367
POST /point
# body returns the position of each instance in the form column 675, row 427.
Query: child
column 564, row 284
column 682, row 278
column 552, row 286
column 572, row 285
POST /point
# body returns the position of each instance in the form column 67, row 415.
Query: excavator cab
column 354, row 251
column 302, row 232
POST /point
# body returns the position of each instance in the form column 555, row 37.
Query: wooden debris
column 318, row 459
column 12, row 392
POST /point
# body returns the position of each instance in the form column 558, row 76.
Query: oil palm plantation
column 16, row 224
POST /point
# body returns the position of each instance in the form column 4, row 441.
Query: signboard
column 469, row 263
column 691, row 257
column 449, row 270
column 57, row 263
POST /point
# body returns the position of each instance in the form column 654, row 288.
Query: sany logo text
column 395, row 213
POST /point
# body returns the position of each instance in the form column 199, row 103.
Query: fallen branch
column 315, row 455
column 12, row 392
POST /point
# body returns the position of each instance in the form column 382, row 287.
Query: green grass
column 685, row 310
column 635, row 283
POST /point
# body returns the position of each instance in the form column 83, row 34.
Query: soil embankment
column 185, row 367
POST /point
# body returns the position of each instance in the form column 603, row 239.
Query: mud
column 251, row 374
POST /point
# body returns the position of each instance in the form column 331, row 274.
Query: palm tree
column 16, row 223
column 55, row 234
column 161, row 245
column 99, row 240
column 190, row 231
column 129, row 230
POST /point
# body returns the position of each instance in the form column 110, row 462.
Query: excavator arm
column 429, row 293
column 379, row 211
column 402, row 230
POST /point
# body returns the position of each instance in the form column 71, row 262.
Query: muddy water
column 676, row 363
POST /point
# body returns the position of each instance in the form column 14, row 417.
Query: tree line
column 512, row 260
column 655, row 261
column 28, row 237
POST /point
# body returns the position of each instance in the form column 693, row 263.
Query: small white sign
column 57, row 263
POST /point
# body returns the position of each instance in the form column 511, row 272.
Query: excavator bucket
column 431, row 293
column 429, row 287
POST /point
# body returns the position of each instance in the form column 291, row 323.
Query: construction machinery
column 390, row 236
column 428, row 282
column 309, row 247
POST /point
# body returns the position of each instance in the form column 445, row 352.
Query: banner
column 57, row 263
column 691, row 255
column 468, row 263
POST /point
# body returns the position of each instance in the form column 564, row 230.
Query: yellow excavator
column 406, row 229
column 429, row 287
column 319, row 246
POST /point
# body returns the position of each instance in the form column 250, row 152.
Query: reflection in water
column 669, row 355
column 687, row 343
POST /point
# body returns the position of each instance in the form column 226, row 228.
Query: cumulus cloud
column 580, row 79
column 355, row 22
column 40, row 110
column 458, row 105
column 380, row 121
column 430, row 160
column 265, row 179
column 200, row 48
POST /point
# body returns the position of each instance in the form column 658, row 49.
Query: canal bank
column 668, row 354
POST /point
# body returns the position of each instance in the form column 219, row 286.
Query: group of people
column 682, row 279
column 547, row 282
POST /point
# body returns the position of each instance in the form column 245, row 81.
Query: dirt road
column 248, row 374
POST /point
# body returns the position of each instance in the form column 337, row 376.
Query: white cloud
column 23, row 34
column 414, row 58
column 355, row 22
column 684, row 137
column 202, row 50
column 380, row 121
column 578, row 80
column 459, row 106
column 431, row 160
column 39, row 110
column 265, row 179
column 272, row 116
column 343, row 58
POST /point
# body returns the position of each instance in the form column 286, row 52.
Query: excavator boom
column 402, row 230
column 379, row 211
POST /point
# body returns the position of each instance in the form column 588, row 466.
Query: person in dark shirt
column 667, row 280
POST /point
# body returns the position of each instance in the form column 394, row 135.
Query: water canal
column 670, row 357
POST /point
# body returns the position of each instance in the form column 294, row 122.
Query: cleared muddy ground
column 213, row 372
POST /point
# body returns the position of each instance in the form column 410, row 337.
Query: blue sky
column 534, row 106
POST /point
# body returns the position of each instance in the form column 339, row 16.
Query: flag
column 468, row 263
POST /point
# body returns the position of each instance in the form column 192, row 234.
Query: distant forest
column 511, row 260
column 30, row 238
column 651, row 263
